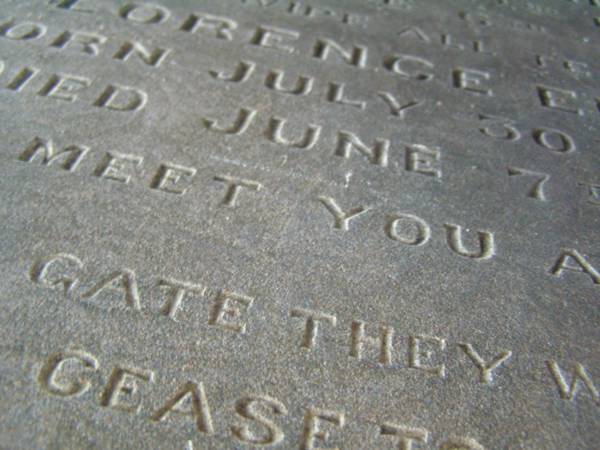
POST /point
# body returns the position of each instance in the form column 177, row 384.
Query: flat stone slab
column 288, row 224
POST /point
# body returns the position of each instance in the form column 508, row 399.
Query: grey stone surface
column 329, row 224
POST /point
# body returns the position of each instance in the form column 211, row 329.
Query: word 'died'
column 70, row 88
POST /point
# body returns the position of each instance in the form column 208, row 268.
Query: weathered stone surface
column 242, row 224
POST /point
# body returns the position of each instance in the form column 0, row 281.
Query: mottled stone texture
column 293, row 224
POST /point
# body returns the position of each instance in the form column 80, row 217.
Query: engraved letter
column 461, row 443
column 548, row 137
column 555, row 98
column 176, row 293
column 271, row 37
column 421, row 233
column 335, row 94
column 252, row 408
column 234, row 186
column 393, row 65
column 64, row 87
column 50, row 372
column 358, row 337
column 123, row 382
column 22, row 31
column 169, row 175
column 396, row 109
column 41, row 269
column 89, row 41
column 406, row 435
column 568, row 391
column 312, row 319
column 312, row 428
column 21, row 79
column 485, row 368
column 582, row 265
column 307, row 141
column 240, row 74
column 198, row 406
column 378, row 154
column 341, row 218
column 73, row 5
column 454, row 239
column 152, row 58
column 145, row 13
column 579, row 68
column 303, row 85
column 414, row 32
column 448, row 42
column 221, row 27
column 416, row 354
column 356, row 56
column 228, row 307
column 123, row 282
column 593, row 192
column 121, row 98
column 70, row 156
column 239, row 126
column 419, row 159
column 114, row 166
column 470, row 80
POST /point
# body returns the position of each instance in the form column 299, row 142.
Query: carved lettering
column 358, row 338
column 313, row 422
column 454, row 239
column 44, row 149
column 229, row 307
column 189, row 400
column 485, row 368
column 123, row 282
column 60, row 270
column 559, row 99
column 419, row 357
column 573, row 261
column 169, row 176
column 378, row 154
column 341, row 219
column 51, row 373
column 312, row 320
column 253, row 408
column 234, row 187
column 123, row 382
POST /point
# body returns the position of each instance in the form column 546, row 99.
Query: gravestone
column 300, row 224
